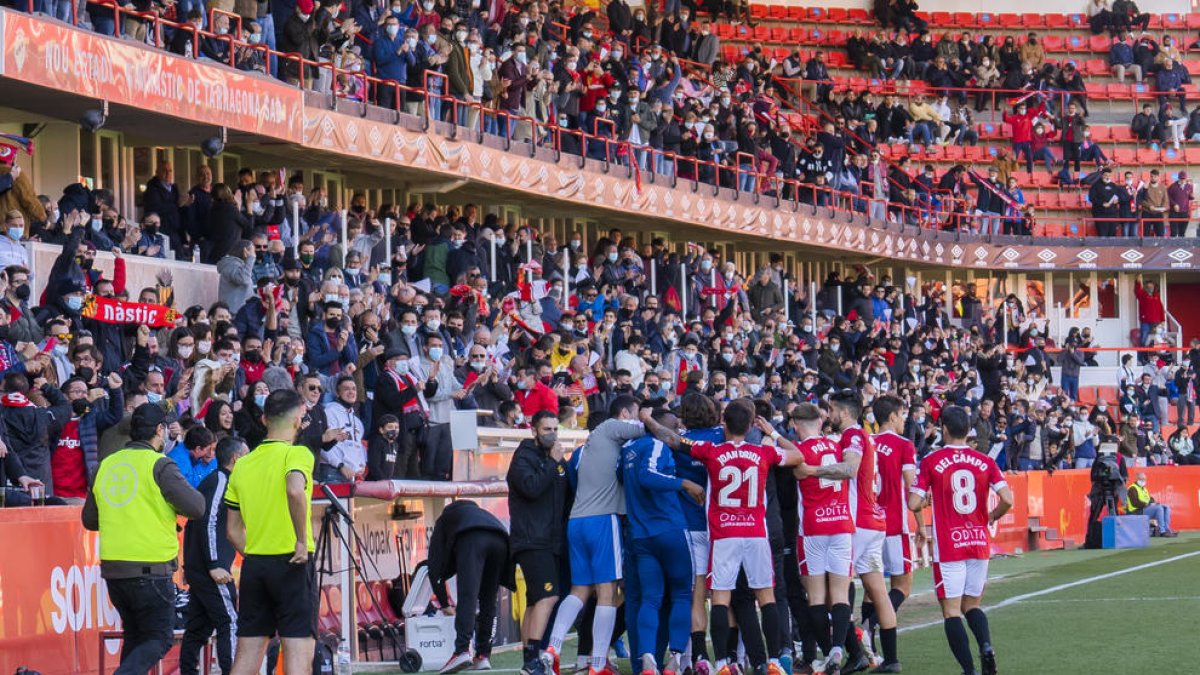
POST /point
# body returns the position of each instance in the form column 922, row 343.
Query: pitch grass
column 1141, row 622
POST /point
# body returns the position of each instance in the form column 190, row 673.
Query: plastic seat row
column 841, row 15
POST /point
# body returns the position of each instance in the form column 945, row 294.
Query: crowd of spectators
column 383, row 347
column 652, row 87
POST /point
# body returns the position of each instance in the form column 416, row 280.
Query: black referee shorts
column 541, row 569
column 277, row 597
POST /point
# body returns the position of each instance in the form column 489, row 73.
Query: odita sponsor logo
column 80, row 600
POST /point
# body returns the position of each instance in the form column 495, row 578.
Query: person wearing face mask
column 401, row 394
column 330, row 344
column 300, row 36
column 537, row 499
column 1141, row 502
column 236, row 274
column 461, row 76
column 481, row 379
column 395, row 54
column 443, row 391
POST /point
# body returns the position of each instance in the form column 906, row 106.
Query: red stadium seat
column 1119, row 91
column 777, row 12
column 1095, row 67
column 1192, row 65
column 1101, row 133
column 1121, row 134
column 836, row 38
column 798, row 35
column 1042, row 179
column 964, row 20
column 779, row 34
column 1056, row 21
column 1100, row 44
column 986, row 20
column 1054, row 43
column 974, row 153
column 1007, row 20
column 725, row 31
column 1031, row 20
column 817, row 37
column 1156, row 21
column 1125, row 156
column 838, row 14
column 1076, row 43
column 1076, row 19
column 836, row 59
column 816, row 14
column 1193, row 21
column 858, row 15
column 1094, row 89
column 953, row 153
column 1192, row 154
column 758, row 11
column 796, row 13
column 941, row 19
column 762, row 33
column 1149, row 156
column 1172, row 156
column 781, row 53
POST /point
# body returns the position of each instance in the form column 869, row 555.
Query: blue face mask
column 97, row 224
column 435, row 353
column 612, row 257
column 154, row 397
column 15, row 233
column 75, row 302
column 260, row 400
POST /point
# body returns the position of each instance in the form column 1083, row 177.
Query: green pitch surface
column 1061, row 612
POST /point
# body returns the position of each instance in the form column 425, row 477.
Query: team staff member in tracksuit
column 207, row 559
column 537, row 499
column 134, row 501
column 270, row 523
column 471, row 544
column 657, row 529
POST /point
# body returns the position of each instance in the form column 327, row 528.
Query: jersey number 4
column 733, row 477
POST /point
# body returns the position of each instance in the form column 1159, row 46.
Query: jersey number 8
column 962, row 485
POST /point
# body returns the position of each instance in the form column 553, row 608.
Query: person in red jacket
column 1150, row 309
column 1021, row 121
column 533, row 395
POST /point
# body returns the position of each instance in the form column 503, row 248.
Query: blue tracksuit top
column 650, row 488
column 693, row 470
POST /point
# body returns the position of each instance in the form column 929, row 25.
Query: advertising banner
column 57, row 56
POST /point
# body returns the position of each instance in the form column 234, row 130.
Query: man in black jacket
column 27, row 428
column 207, row 559
column 537, row 505
column 471, row 544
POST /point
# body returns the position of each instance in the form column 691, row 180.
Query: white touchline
column 1061, row 587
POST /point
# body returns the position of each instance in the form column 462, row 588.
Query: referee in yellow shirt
column 270, row 516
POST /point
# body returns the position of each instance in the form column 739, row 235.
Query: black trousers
column 480, row 556
column 211, row 607
column 147, row 609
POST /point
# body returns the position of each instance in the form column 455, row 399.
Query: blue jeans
column 1070, row 386
column 1029, row 464
column 746, row 177
column 1046, row 155
column 1144, row 330
column 1160, row 513
column 267, row 22
column 1084, row 462
column 104, row 25
column 1093, row 153
column 919, row 133
column 1024, row 149
column 663, row 165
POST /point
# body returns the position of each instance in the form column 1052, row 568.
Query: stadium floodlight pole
column 296, row 229
column 387, row 241
column 787, row 302
column 812, row 301
column 493, row 265
column 566, row 277
column 683, row 289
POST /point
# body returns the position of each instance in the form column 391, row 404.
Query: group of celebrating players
column 778, row 512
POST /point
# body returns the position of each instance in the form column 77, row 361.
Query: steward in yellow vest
column 133, row 503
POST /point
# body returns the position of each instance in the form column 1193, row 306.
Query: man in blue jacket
column 393, row 56
column 330, row 344
column 657, row 529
